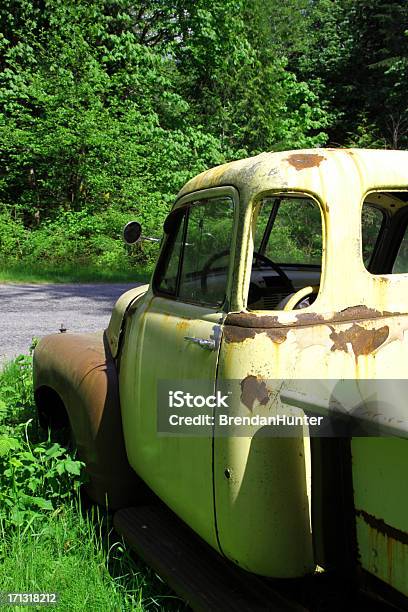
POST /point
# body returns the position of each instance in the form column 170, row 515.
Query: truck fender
column 76, row 383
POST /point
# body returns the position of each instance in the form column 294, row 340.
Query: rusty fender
column 81, row 370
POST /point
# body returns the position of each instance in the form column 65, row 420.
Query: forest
column 108, row 106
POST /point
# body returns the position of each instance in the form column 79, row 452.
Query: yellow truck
column 281, row 285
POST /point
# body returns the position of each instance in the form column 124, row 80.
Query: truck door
column 176, row 336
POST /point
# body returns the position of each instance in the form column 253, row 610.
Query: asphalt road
column 32, row 311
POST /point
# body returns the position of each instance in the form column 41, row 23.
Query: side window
column 168, row 271
column 195, row 267
column 384, row 237
column 372, row 219
column 401, row 261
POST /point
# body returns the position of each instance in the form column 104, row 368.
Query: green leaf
column 73, row 467
column 42, row 503
column 54, row 451
column 8, row 444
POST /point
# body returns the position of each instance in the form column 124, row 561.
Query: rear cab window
column 287, row 251
column 384, row 231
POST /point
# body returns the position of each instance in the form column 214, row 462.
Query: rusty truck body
column 289, row 266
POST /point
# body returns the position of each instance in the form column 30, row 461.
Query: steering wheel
column 282, row 275
column 207, row 267
column 276, row 267
column 294, row 300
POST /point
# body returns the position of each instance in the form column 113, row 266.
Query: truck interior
column 287, row 257
column 288, row 246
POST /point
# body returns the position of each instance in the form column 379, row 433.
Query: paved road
column 28, row 311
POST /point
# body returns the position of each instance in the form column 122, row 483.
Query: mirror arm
column 150, row 239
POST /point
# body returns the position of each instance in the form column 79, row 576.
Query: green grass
column 40, row 274
column 76, row 557
column 49, row 542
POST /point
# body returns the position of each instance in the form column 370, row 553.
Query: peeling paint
column 300, row 161
column 277, row 335
column 240, row 334
column 363, row 341
column 267, row 321
column 254, row 389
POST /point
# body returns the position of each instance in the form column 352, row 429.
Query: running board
column 197, row 573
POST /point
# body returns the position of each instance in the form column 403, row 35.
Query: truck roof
column 312, row 170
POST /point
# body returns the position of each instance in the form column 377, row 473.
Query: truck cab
column 279, row 273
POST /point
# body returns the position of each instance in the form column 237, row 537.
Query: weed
column 48, row 542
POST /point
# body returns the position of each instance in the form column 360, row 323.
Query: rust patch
column 183, row 325
column 382, row 527
column 252, row 389
column 351, row 313
column 363, row 312
column 278, row 335
column 248, row 319
column 363, row 341
column 309, row 318
column 240, row 334
column 301, row 161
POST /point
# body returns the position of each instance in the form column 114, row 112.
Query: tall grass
column 49, row 542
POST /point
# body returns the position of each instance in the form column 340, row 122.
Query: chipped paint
column 240, row 334
column 234, row 333
column 266, row 321
column 363, row 341
column 254, row 389
column 300, row 161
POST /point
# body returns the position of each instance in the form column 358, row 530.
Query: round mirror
column 132, row 232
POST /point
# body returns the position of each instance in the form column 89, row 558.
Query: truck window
column 383, row 230
column 372, row 221
column 401, row 261
column 195, row 262
column 295, row 235
column 287, row 251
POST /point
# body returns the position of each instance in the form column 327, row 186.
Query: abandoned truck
column 289, row 266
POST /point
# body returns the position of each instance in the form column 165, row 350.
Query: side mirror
column 132, row 232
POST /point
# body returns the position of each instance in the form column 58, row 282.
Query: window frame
column 291, row 193
column 278, row 197
column 182, row 207
column 376, row 252
column 397, row 230
column 391, row 233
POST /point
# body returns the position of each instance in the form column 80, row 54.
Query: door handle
column 205, row 344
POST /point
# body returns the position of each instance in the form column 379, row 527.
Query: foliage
column 36, row 475
column 107, row 108
column 359, row 50
column 48, row 542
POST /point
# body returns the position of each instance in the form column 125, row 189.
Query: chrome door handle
column 205, row 344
